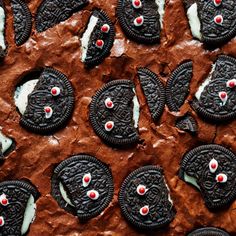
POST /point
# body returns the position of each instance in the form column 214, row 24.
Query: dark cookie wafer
column 73, row 174
column 3, row 48
column 177, row 87
column 154, row 91
column 212, row 169
column 45, row 112
column 187, row 123
column 52, row 12
column 22, row 21
column 104, row 33
column 14, row 197
column 111, row 113
column 146, row 29
column 217, row 19
column 216, row 100
column 208, row 231
column 144, row 198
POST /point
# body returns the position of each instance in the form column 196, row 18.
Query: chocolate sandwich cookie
column 212, row 170
column 145, row 199
column 141, row 20
column 215, row 99
column 154, row 92
column 98, row 38
column 187, row 123
column 114, row 113
column 3, row 44
column 45, row 102
column 213, row 22
column 17, row 207
column 52, row 12
column 177, row 87
column 83, row 186
column 6, row 145
column 208, row 231
column 22, row 21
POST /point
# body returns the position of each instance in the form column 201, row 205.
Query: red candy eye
column 223, row 97
column 109, row 125
column 2, row 221
column 221, row 178
column 108, row 103
column 105, row 28
column 136, row 3
column 99, row 43
column 93, row 194
column 4, row 202
column 218, row 19
column 86, row 179
column 141, row 189
column 213, row 165
column 138, row 21
column 55, row 91
column 144, row 210
column 48, row 112
column 217, row 2
column 231, row 83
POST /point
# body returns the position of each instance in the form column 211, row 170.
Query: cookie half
column 98, row 38
column 52, row 12
column 6, row 144
column 208, row 231
column 45, row 102
column 215, row 99
column 22, row 21
column 17, row 207
column 154, row 92
column 212, row 170
column 213, row 22
column 3, row 44
column 145, row 199
column 177, row 87
column 141, row 20
column 114, row 113
column 187, row 123
column 83, row 186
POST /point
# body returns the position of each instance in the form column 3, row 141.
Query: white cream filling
column 5, row 141
column 29, row 216
column 205, row 83
column 21, row 94
column 194, row 21
column 86, row 36
column 64, row 194
column 191, row 180
column 161, row 10
column 136, row 110
column 2, row 27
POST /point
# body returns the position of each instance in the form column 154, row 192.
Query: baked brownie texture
column 161, row 143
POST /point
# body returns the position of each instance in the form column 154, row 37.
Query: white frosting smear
column 161, row 10
column 191, row 180
column 29, row 215
column 21, row 94
column 86, row 36
column 64, row 194
column 2, row 27
column 5, row 141
column 205, row 83
column 136, row 110
column 194, row 21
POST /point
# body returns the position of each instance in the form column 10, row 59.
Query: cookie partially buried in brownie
column 83, row 186
column 45, row 101
column 114, row 113
column 212, row 170
column 141, row 20
column 213, row 21
column 3, row 46
column 6, row 144
column 98, row 38
column 215, row 99
column 17, row 207
column 208, row 231
column 145, row 198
